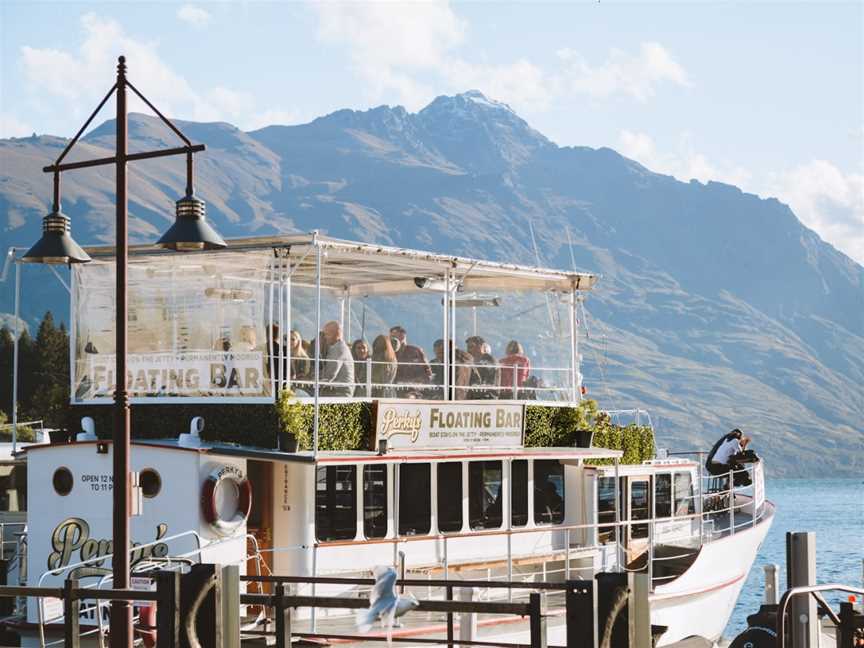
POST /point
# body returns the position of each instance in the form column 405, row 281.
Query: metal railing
column 813, row 590
column 489, row 387
column 283, row 600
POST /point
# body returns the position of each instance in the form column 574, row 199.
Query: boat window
column 450, row 496
column 606, row 508
column 415, row 499
column 548, row 491
column 484, row 494
column 519, row 492
column 663, row 495
column 684, row 494
column 640, row 507
column 335, row 503
column 63, row 481
column 375, row 501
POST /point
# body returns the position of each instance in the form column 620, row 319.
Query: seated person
column 515, row 368
column 484, row 370
column 725, row 457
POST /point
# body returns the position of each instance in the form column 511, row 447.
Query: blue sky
column 768, row 96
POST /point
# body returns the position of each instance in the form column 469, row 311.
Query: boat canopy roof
column 356, row 268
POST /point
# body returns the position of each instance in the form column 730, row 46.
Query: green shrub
column 349, row 426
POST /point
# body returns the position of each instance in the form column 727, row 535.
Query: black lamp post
column 189, row 232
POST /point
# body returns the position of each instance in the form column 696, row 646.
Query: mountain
column 716, row 309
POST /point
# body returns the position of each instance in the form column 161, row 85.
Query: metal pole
column 317, row 344
column 121, row 611
column 286, row 334
column 617, row 517
column 574, row 351
column 15, row 359
column 446, row 386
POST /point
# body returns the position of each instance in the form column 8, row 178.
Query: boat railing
column 714, row 506
column 489, row 382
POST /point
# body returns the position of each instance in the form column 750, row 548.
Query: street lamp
column 189, row 232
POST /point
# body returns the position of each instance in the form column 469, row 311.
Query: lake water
column 834, row 509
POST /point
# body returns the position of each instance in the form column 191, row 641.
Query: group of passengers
column 401, row 370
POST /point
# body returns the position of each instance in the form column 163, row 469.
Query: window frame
column 351, row 468
column 562, row 495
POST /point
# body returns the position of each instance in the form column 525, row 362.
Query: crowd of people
column 391, row 367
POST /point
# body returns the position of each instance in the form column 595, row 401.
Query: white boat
column 444, row 486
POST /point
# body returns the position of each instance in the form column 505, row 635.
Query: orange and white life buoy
column 220, row 478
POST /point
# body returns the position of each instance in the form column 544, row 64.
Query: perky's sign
column 201, row 374
column 71, row 538
column 431, row 425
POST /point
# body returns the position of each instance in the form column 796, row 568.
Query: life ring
column 234, row 476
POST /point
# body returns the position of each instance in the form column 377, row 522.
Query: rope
column 192, row 615
column 617, row 606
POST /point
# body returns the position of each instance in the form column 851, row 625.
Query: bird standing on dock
column 384, row 603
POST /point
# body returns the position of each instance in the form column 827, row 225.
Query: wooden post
column 639, row 610
column 168, row 609
column 467, row 620
column 581, row 602
column 71, row 614
column 538, row 620
column 231, row 606
column 803, row 622
column 282, row 614
column 450, row 619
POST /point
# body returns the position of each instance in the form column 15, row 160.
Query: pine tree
column 7, row 343
column 49, row 397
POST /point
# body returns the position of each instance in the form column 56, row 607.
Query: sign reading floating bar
column 436, row 425
column 208, row 373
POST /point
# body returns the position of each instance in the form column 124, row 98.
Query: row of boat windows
column 672, row 497
column 336, row 498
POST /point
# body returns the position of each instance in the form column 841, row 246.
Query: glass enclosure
column 328, row 319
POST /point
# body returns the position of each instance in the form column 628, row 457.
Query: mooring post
column 168, row 609
column 231, row 606
column 803, row 623
column 537, row 614
column 772, row 584
column 283, row 617
column 581, row 602
column 71, row 614
column 639, row 610
column 467, row 620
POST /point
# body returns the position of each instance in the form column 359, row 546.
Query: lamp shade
column 190, row 230
column 56, row 245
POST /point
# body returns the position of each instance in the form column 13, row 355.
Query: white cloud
column 828, row 201
column 684, row 161
column 622, row 73
column 83, row 77
column 823, row 197
column 398, row 48
column 12, row 126
column 195, row 16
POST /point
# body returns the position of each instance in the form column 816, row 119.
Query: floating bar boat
column 465, row 468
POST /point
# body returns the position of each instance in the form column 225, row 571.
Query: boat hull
column 700, row 602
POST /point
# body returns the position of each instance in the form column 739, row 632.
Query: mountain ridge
column 713, row 299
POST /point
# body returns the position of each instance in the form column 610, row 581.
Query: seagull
column 384, row 603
